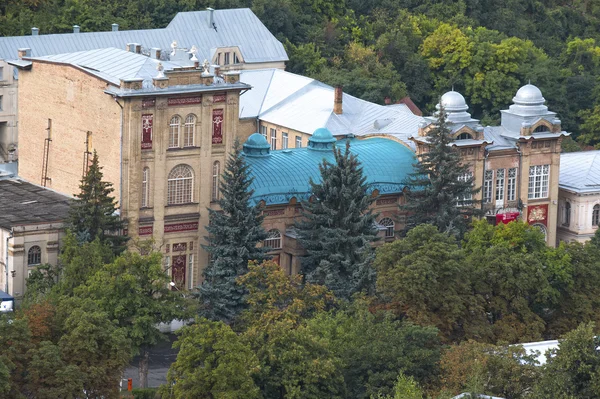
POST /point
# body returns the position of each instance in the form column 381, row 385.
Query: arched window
column 273, row 239
column 145, row 187
column 389, row 227
column 189, row 130
column 215, row 180
column 174, row 127
column 464, row 136
column 180, row 183
column 567, row 214
column 596, row 215
column 541, row 128
column 541, row 228
column 34, row 256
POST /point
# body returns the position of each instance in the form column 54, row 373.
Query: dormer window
column 541, row 129
column 464, row 136
column 227, row 58
column 236, row 60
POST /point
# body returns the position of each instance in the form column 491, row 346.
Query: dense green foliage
column 338, row 227
column 441, row 186
column 233, row 234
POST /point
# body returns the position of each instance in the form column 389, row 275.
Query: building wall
column 76, row 103
column 580, row 227
column 8, row 112
column 266, row 127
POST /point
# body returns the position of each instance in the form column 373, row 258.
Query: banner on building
column 507, row 217
column 145, row 230
column 178, row 271
column 147, row 122
column 217, row 119
column 175, row 228
column 537, row 214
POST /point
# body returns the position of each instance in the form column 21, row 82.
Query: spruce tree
column 441, row 189
column 94, row 212
column 233, row 234
column 338, row 228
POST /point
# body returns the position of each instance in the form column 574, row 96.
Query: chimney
column 387, row 101
column 155, row 53
column 115, row 27
column 337, row 100
column 75, row 28
column 211, row 18
column 35, row 31
column 134, row 48
column 138, row 48
column 24, row 52
column 217, row 69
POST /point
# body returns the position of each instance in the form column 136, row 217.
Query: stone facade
column 8, row 113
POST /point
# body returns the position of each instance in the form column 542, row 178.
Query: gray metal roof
column 500, row 138
column 580, row 171
column 23, row 203
column 235, row 27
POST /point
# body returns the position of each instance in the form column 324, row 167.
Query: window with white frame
column 34, row 256
column 174, row 127
column 145, row 187
column 567, row 216
column 284, row 141
column 273, row 240
column 189, row 130
column 215, row 180
column 512, row 184
column 389, row 224
column 500, row 185
column 263, row 131
column 596, row 215
column 467, row 198
column 191, row 271
column 179, row 185
column 488, row 182
column 273, row 139
column 298, row 142
column 464, row 136
column 236, row 60
column 218, row 58
column 539, row 177
column 227, row 57
column 1, row 73
column 1, row 103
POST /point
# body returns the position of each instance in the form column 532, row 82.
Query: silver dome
column 453, row 101
column 529, row 95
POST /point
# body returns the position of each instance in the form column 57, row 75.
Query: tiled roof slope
column 235, row 27
column 23, row 203
column 580, row 171
column 386, row 164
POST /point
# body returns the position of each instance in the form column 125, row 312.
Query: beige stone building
column 31, row 228
column 579, row 196
column 516, row 164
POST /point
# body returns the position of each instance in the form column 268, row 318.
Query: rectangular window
column 263, row 131
column 191, row 271
column 226, row 58
column 1, row 103
column 465, row 199
column 512, row 184
column 539, row 177
column 1, row 73
column 218, row 58
column 298, row 142
column 273, row 139
column 500, row 185
column 284, row 141
column 236, row 60
column 487, row 186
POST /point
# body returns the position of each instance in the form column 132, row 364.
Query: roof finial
column 529, row 81
column 174, row 48
column 452, row 87
column 160, row 68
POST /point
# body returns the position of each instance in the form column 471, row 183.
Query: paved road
column 161, row 358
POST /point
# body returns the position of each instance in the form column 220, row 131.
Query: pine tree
column 338, row 228
column 233, row 235
column 441, row 187
column 94, row 212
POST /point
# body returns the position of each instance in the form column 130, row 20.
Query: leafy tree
column 425, row 278
column 404, row 388
column 373, row 347
column 94, row 212
column 233, row 234
column 338, row 227
column 573, row 369
column 134, row 291
column 294, row 362
column 41, row 281
column 439, row 195
column 212, row 363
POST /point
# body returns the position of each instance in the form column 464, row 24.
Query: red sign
column 537, row 214
column 178, row 271
column 148, row 103
column 184, row 100
column 217, row 120
column 507, row 217
column 175, row 228
column 219, row 98
column 145, row 230
column 147, row 121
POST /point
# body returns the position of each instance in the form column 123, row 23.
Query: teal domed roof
column 321, row 140
column 256, row 145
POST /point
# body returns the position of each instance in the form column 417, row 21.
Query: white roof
column 580, row 171
column 539, row 349
column 304, row 104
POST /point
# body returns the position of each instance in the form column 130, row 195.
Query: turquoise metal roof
column 285, row 173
